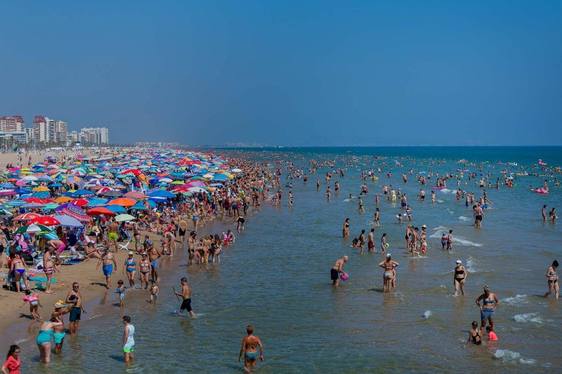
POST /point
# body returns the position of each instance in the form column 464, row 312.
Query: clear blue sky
column 289, row 72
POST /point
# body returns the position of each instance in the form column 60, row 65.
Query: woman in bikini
column 552, row 278
column 474, row 336
column 144, row 267
column 459, row 278
column 18, row 269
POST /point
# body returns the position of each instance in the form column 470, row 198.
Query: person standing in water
column 12, row 365
column 337, row 269
column 249, row 350
column 345, row 229
column 488, row 307
column 74, row 298
column 128, row 339
column 552, row 279
column 389, row 275
column 371, row 241
column 459, row 277
column 474, row 335
column 543, row 213
column 186, row 297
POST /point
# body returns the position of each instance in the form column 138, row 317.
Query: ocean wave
column 516, row 300
column 506, row 355
column 470, row 265
column 528, row 317
column 459, row 240
column 464, row 219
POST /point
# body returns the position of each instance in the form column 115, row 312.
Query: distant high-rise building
column 11, row 124
column 47, row 130
column 11, row 129
column 94, row 135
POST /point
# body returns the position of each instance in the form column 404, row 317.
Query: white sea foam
column 471, row 266
column 508, row 356
column 458, row 240
column 528, row 317
column 464, row 219
column 445, row 190
column 516, row 300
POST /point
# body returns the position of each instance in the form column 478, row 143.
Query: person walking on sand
column 552, row 279
column 337, row 269
column 109, row 264
column 128, row 339
column 186, row 298
column 249, row 350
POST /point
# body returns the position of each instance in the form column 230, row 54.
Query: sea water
column 276, row 277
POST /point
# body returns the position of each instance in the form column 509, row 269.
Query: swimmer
column 552, row 279
column 459, row 278
column 249, row 349
column 474, row 336
column 337, row 269
column 389, row 275
column 492, row 337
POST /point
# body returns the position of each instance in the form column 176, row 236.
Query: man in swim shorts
column 153, row 256
column 109, row 264
column 186, row 297
column 337, row 269
column 488, row 307
column 113, row 233
column 249, row 349
column 75, row 300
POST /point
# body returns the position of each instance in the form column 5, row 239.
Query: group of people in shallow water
column 416, row 244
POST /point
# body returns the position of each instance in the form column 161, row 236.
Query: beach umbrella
column 41, row 189
column 161, row 194
column 80, row 202
column 111, row 193
column 46, row 221
column 67, row 221
column 135, row 195
column 96, row 202
column 123, row 201
column 116, row 209
column 124, row 218
column 73, row 211
column 7, row 192
column 98, row 211
column 236, row 170
column 27, row 216
column 63, row 199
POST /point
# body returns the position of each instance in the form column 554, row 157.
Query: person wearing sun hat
column 459, row 278
column 59, row 331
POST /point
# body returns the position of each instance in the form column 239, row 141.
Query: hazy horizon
column 291, row 74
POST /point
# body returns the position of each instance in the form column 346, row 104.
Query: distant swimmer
column 389, row 275
column 345, row 229
column 337, row 269
column 249, row 350
column 488, row 307
column 552, row 279
column 459, row 278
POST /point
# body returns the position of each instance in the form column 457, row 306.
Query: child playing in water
column 154, row 291
column 34, row 304
column 120, row 290
column 491, row 334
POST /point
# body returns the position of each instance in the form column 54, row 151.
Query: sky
column 293, row 73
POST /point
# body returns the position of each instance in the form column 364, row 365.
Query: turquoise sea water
column 276, row 277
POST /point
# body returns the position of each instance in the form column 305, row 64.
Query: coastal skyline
column 322, row 73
